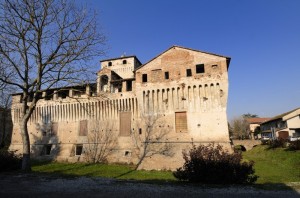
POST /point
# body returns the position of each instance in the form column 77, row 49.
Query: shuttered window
column 125, row 123
column 181, row 122
column 83, row 129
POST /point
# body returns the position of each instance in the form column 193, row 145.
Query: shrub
column 214, row 165
column 9, row 161
column 277, row 143
column 294, row 145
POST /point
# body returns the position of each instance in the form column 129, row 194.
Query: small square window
column 166, row 75
column 200, row 68
column 109, row 63
column 79, row 148
column 124, row 62
column 188, row 72
column 144, row 78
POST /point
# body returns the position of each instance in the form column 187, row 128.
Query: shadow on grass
column 125, row 177
column 124, row 174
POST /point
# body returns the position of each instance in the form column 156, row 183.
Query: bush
column 9, row 161
column 294, row 145
column 214, row 165
column 277, row 143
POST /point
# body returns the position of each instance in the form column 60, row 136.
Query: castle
column 152, row 110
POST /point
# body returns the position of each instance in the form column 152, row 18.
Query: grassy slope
column 271, row 165
column 275, row 165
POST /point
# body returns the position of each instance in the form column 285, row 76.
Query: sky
column 262, row 37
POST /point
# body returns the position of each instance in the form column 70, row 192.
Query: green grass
column 275, row 165
column 102, row 170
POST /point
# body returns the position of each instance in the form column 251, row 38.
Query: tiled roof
column 257, row 120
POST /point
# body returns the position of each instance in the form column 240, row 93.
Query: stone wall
column 175, row 111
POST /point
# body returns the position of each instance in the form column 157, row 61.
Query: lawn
column 102, row 170
column 271, row 165
column 275, row 165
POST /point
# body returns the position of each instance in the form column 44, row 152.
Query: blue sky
column 261, row 36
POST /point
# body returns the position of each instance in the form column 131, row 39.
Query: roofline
column 227, row 57
column 123, row 79
column 132, row 56
column 67, row 87
column 280, row 116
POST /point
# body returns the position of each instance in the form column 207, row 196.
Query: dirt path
column 38, row 185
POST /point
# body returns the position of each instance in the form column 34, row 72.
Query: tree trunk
column 2, row 129
column 26, row 165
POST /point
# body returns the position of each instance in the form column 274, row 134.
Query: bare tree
column 44, row 44
column 101, row 141
column 153, row 140
column 5, row 116
column 240, row 127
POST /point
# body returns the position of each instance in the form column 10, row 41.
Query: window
column 140, row 131
column 129, row 86
column 48, row 95
column 144, row 78
column 109, row 63
column 127, row 153
column 200, row 68
column 180, row 122
column 124, row 62
column 83, row 130
column 47, row 149
column 188, row 72
column 63, row 93
column 166, row 75
column 78, row 149
column 125, row 123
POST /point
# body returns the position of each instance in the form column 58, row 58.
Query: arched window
column 124, row 62
column 109, row 63
column 104, row 83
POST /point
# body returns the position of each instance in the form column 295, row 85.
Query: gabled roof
column 280, row 116
column 228, row 58
column 103, row 70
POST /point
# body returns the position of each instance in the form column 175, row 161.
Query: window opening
column 79, row 148
column 48, row 149
column 188, row 72
column 104, row 83
column 166, row 75
column 129, row 86
column 144, row 78
column 200, row 68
